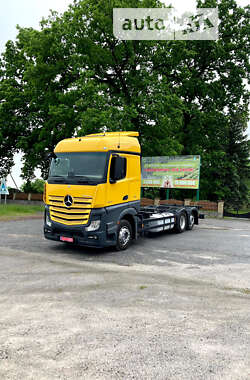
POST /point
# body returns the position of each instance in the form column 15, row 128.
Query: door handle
column 125, row 197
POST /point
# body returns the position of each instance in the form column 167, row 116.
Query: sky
column 28, row 13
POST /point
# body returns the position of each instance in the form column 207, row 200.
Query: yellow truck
column 92, row 195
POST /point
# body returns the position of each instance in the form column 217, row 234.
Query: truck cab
column 92, row 195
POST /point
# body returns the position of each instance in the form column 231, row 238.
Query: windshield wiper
column 88, row 181
column 81, row 179
column 57, row 176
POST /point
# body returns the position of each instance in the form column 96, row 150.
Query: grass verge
column 14, row 211
column 240, row 212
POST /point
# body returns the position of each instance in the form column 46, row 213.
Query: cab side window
column 118, row 168
column 124, row 168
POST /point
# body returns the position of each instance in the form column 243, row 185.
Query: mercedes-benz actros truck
column 92, row 195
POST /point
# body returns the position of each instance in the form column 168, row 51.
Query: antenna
column 119, row 143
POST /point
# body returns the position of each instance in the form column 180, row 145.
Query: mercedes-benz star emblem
column 68, row 200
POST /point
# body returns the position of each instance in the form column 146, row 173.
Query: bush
column 35, row 187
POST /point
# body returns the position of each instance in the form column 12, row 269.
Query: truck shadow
column 137, row 253
column 77, row 250
column 161, row 249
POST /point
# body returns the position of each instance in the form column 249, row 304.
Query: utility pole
column 14, row 181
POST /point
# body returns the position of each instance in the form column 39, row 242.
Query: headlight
column 94, row 225
column 48, row 221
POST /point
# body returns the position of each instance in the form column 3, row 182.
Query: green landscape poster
column 173, row 172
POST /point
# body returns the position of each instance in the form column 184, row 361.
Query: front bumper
column 105, row 236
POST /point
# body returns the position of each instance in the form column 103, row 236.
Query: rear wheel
column 191, row 222
column 124, row 235
column 181, row 223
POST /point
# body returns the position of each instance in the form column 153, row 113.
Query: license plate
column 67, row 239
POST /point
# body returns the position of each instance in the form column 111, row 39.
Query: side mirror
column 117, row 168
column 51, row 155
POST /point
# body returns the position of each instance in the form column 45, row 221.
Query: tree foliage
column 35, row 187
column 74, row 77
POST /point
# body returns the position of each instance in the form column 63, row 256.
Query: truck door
column 118, row 184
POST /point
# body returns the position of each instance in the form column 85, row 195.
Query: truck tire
column 124, row 235
column 181, row 224
column 190, row 225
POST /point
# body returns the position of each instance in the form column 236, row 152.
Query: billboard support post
column 198, row 195
column 167, row 194
column 198, row 190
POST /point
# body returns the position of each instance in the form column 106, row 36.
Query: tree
column 67, row 92
column 74, row 77
column 238, row 152
column 36, row 186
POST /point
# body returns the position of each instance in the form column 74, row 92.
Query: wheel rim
column 182, row 222
column 191, row 220
column 124, row 236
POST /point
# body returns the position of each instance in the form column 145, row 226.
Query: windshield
column 78, row 167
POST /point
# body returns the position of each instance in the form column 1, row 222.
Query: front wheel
column 181, row 223
column 124, row 235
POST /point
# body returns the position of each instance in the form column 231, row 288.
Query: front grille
column 77, row 213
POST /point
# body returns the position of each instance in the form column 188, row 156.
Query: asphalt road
column 170, row 307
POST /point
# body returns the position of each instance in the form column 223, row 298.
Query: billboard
column 171, row 172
